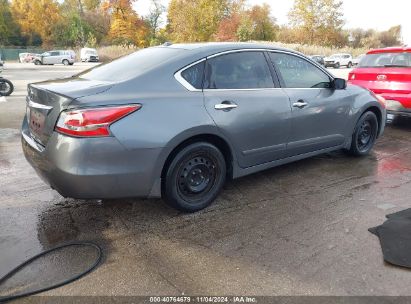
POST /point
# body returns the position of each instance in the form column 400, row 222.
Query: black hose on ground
column 65, row 282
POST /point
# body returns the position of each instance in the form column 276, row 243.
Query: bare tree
column 153, row 18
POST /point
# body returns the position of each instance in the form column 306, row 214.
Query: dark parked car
column 176, row 121
column 319, row 59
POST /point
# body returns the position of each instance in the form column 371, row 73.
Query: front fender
column 363, row 101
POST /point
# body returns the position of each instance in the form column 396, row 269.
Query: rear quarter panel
column 170, row 114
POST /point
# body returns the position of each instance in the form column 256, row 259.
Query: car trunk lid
column 46, row 100
column 384, row 80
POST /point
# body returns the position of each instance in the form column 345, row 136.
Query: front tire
column 365, row 134
column 194, row 177
column 349, row 65
column 66, row 62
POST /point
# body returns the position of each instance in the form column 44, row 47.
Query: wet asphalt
column 299, row 229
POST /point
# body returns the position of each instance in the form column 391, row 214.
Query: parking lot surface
column 299, row 229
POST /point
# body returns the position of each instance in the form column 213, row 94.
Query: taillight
column 92, row 122
column 351, row 76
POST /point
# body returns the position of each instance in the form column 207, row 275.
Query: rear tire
column 37, row 62
column 337, row 65
column 6, row 87
column 194, row 177
column 365, row 134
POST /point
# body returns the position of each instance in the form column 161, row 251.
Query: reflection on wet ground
column 297, row 229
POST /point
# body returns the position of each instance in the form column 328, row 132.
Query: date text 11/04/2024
column 203, row 299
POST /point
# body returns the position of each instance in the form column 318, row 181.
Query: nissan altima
column 176, row 121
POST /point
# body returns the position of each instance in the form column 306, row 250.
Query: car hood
column 74, row 87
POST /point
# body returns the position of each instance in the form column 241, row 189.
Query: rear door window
column 242, row 70
column 297, row 72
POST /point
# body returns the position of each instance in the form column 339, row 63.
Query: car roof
column 390, row 50
column 217, row 47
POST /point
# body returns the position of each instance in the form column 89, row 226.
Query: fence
column 13, row 53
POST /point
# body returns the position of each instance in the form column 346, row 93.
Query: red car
column 387, row 72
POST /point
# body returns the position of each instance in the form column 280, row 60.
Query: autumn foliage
column 79, row 23
column 126, row 27
column 30, row 15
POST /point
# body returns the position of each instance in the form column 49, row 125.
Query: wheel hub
column 364, row 134
column 196, row 175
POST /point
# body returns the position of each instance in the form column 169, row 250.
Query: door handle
column 225, row 106
column 300, row 104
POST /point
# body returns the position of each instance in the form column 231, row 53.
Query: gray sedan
column 176, row 121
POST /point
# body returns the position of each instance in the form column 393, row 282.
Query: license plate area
column 37, row 119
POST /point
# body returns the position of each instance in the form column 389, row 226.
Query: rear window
column 130, row 66
column 386, row 60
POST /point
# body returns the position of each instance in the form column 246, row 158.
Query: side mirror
column 339, row 84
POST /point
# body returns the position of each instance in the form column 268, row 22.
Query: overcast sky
column 376, row 14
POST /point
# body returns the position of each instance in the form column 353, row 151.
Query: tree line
column 78, row 23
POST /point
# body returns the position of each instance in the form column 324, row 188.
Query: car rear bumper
column 396, row 108
column 93, row 168
column 395, row 102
